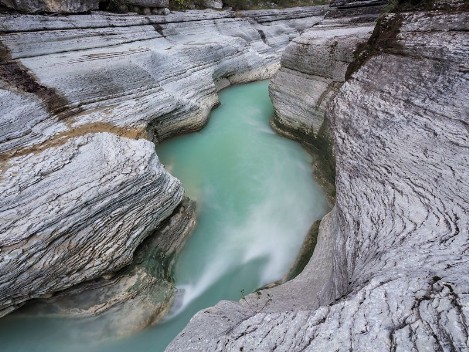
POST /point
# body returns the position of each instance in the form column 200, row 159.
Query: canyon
column 84, row 100
column 389, row 272
column 92, row 222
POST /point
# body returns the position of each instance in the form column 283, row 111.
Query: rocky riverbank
column 390, row 269
column 83, row 100
column 313, row 68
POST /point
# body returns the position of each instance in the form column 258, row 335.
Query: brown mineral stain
column 62, row 137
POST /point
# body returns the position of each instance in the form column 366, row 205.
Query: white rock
column 314, row 66
column 69, row 212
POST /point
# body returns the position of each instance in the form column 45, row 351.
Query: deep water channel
column 256, row 199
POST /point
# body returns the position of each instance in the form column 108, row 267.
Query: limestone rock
column 134, row 297
column 391, row 271
column 161, row 11
column 294, row 13
column 314, row 66
column 101, row 67
column 76, row 211
column 61, row 6
column 214, row 4
column 149, row 3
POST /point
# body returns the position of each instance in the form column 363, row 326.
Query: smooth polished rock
column 314, row 66
column 76, row 210
column 135, row 297
column 141, row 73
column 391, row 271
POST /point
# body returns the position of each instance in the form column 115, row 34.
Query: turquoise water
column 256, row 199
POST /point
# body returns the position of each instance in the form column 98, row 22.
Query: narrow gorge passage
column 256, row 199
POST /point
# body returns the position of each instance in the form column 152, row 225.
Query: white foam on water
column 264, row 234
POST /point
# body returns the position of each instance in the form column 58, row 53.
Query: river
column 256, row 199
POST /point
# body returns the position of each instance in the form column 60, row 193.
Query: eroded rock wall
column 60, row 6
column 122, row 303
column 390, row 272
column 314, row 67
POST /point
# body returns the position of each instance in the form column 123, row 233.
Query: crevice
column 159, row 29
column 262, row 34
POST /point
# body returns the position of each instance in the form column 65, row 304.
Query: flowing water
column 256, row 199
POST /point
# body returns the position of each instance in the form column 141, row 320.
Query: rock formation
column 146, row 7
column 83, row 99
column 390, row 271
column 69, row 211
column 60, row 6
column 314, row 66
column 344, row 4
column 136, row 296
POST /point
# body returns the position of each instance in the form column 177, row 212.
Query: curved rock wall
column 133, row 298
column 390, row 272
column 74, row 212
column 80, row 185
column 314, row 66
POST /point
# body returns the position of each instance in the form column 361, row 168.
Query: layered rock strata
column 136, row 296
column 390, row 271
column 77, row 211
column 61, row 6
column 146, row 7
column 81, row 96
column 313, row 68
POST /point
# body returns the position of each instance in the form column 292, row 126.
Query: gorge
column 84, row 99
column 256, row 199
column 135, row 82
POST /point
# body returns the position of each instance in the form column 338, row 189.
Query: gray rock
column 213, row 4
column 390, row 272
column 149, row 3
column 137, row 296
column 144, row 52
column 161, row 11
column 69, row 211
column 294, row 13
column 61, row 6
column 314, row 66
